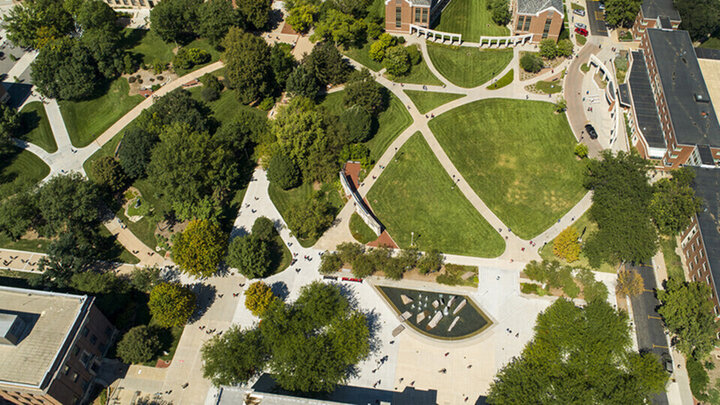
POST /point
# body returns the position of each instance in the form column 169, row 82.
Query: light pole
column 412, row 238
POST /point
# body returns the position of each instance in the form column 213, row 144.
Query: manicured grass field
column 88, row 119
column 36, row 127
column 585, row 226
column 153, row 49
column 362, row 56
column 18, row 169
column 468, row 67
column 426, row 101
column 548, row 87
column 285, row 200
column 359, row 229
column 673, row 263
column 471, row 18
column 518, row 157
column 415, row 194
column 390, row 123
column 503, row 81
column 227, row 106
column 419, row 74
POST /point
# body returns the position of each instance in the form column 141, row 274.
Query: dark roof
column 535, row 6
column 644, row 103
column 688, row 100
column 707, row 53
column 665, row 23
column 707, row 187
column 624, row 91
column 706, row 155
column 659, row 8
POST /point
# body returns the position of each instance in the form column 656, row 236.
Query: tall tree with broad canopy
column 36, row 22
column 255, row 13
column 65, row 70
column 215, row 17
column 174, row 20
column 200, row 248
column 171, row 304
column 621, row 13
column 673, row 203
column 247, row 65
column 575, row 347
column 250, row 255
column 701, row 18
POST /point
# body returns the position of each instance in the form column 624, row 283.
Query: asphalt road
column 596, row 18
column 648, row 324
column 573, row 96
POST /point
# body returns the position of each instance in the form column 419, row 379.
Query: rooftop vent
column 11, row 328
column 701, row 98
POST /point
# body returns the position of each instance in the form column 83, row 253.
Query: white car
column 581, row 26
column 601, row 6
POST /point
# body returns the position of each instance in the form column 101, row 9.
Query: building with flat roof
column 672, row 120
column 51, row 345
column 655, row 14
column 700, row 242
column 542, row 18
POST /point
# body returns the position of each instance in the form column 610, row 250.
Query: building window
column 548, row 22
column 425, row 15
column 708, row 280
column 85, row 331
column 527, row 23
column 418, row 15
column 93, row 339
column 76, row 351
column 521, row 20
column 398, row 17
column 75, row 377
column 66, row 369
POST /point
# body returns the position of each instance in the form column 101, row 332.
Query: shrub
column 699, row 379
column 397, row 60
column 283, row 172
column 267, row 104
column 430, row 262
column 378, row 48
column 258, row 298
column 414, row 54
column 209, row 94
column 349, row 251
column 138, row 345
column 531, row 63
column 566, row 245
column 186, row 58
column 581, row 150
column 564, row 47
column 529, row 288
column 548, row 48
column 330, row 263
column 131, row 79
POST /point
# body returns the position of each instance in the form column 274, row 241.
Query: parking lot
column 596, row 19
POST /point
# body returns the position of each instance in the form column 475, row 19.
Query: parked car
column 581, row 31
column 581, row 26
column 601, row 6
column 667, row 362
column 591, row 131
column 579, row 12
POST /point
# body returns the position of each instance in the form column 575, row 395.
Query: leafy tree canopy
column 621, row 13
column 174, row 20
column 200, row 248
column 673, row 202
column 701, row 18
column 247, row 65
column 171, row 304
column 250, row 255
column 138, row 345
column 37, row 22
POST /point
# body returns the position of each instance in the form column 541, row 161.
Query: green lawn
column 518, row 157
column 391, row 122
column 548, row 87
column 360, row 231
column 153, row 49
column 585, row 226
column 577, row 7
column 712, row 43
column 227, row 106
column 673, row 262
column 503, row 81
column 284, row 200
column 18, row 169
column 471, row 18
column 419, row 74
column 88, row 119
column 362, row 56
column 426, row 101
column 36, row 127
column 468, row 67
column 415, row 194
column 31, row 245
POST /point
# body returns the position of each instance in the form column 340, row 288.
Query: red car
column 581, row 31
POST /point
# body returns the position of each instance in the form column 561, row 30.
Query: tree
column 134, row 152
column 92, row 282
column 430, row 262
column 258, row 298
column 357, row 122
column 531, row 63
column 138, row 345
column 357, row 8
column 105, row 47
column 214, row 19
column 301, row 17
column 629, row 283
column 566, row 245
column 256, row 13
column 17, row 214
column 189, row 57
column 247, row 65
column 250, row 255
column 594, row 339
column 200, row 248
column 687, row 310
column 397, row 60
column 68, row 202
column 378, row 48
column 264, row 228
column 349, row 251
column 65, row 70
column 37, row 22
column 673, row 202
column 282, row 62
column 327, row 64
column 9, row 125
column 500, row 11
column 330, row 263
column 145, row 278
column 701, row 18
column 67, row 255
column 548, row 48
column 620, row 208
column 108, row 173
column 310, row 218
column 96, row 15
column 283, row 172
column 560, row 105
column 302, row 82
column 621, row 13
column 565, row 47
column 340, row 28
column 234, row 357
column 363, row 91
column 171, row 304
column 174, row 20
column 581, row 150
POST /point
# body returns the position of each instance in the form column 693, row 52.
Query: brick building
column 131, row 3
column 700, row 242
column 542, row 18
column 51, row 345
column 672, row 118
column 399, row 14
column 655, row 14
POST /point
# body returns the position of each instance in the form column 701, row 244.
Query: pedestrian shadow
column 205, row 295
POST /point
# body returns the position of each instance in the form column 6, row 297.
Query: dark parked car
column 591, row 131
column 667, row 362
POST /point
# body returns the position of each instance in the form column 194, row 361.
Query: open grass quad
column 426, row 101
column 467, row 66
column 415, row 194
column 471, row 18
column 517, row 156
column 36, row 127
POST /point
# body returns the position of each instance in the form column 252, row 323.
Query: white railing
column 435, row 35
column 360, row 206
column 504, row 42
